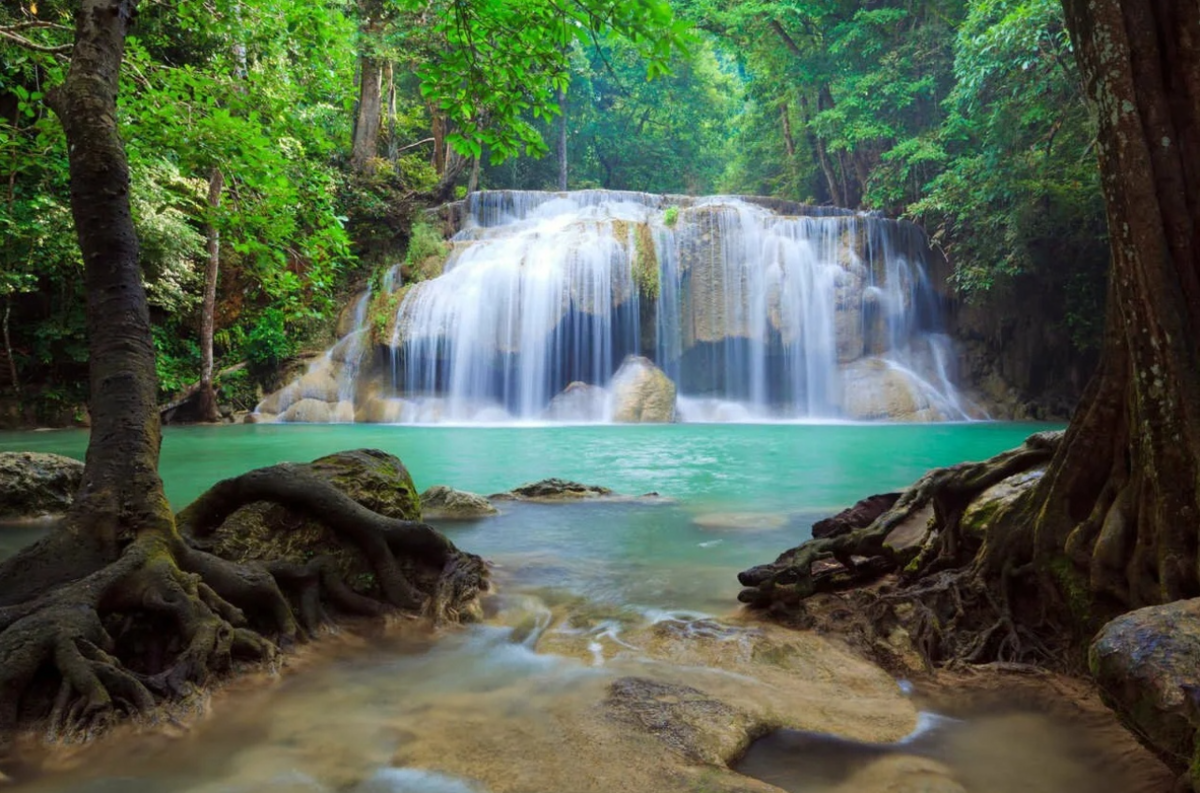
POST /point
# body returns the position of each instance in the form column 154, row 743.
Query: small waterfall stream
column 754, row 309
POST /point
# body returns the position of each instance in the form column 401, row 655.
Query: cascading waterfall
column 753, row 309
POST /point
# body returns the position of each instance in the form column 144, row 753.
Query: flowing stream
column 589, row 594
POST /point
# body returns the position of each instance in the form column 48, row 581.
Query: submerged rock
column 33, row 484
column 859, row 516
column 642, row 393
column 445, row 503
column 741, row 521
column 552, row 490
column 687, row 720
column 1147, row 664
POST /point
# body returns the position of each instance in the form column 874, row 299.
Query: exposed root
column 950, row 591
column 163, row 618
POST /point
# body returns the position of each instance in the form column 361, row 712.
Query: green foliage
column 268, row 343
column 671, row 216
column 424, row 243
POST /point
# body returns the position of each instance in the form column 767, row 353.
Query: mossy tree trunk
column 1121, row 500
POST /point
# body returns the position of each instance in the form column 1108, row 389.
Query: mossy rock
column 269, row 532
column 35, row 483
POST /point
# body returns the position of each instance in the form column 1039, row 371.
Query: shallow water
column 510, row 705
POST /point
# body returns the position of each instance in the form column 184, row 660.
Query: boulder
column 859, row 516
column 264, row 531
column 997, row 499
column 308, row 411
column 552, row 490
column 578, row 402
column 33, row 484
column 445, row 503
column 1147, row 665
column 873, row 389
column 694, row 724
column 642, row 393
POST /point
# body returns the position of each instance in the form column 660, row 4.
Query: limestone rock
column 445, row 503
column 642, row 393
column 859, row 516
column 687, row 720
column 1147, row 664
column 262, row 531
column 552, row 490
column 874, row 390
column 35, row 483
column 309, row 411
column 578, row 402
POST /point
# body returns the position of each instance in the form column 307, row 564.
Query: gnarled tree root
column 951, row 591
column 160, row 617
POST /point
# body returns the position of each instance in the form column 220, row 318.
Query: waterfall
column 755, row 309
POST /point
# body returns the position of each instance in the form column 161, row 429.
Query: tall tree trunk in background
column 562, row 140
column 207, row 397
column 15, row 381
column 389, row 80
column 438, row 128
column 473, row 180
column 370, row 111
column 789, row 143
column 831, row 181
column 1121, row 500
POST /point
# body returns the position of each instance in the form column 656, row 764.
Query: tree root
column 950, row 591
column 163, row 618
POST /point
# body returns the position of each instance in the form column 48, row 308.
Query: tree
column 1114, row 523
column 119, row 549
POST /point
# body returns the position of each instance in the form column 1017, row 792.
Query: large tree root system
column 93, row 631
column 952, row 583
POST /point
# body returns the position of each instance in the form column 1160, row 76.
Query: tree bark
column 562, row 141
column 389, row 79
column 207, row 398
column 370, row 110
column 121, row 487
column 1122, row 499
column 789, row 143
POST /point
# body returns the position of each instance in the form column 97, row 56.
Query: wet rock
column 263, row 531
column 998, row 498
column 445, row 503
column 875, row 390
column 578, row 402
column 1147, row 664
column 308, row 411
column 642, row 393
column 33, row 484
column 552, row 490
column 686, row 719
column 859, row 516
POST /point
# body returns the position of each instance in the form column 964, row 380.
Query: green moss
column 1073, row 586
column 645, row 262
column 427, row 251
column 671, row 216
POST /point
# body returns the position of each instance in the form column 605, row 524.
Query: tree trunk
column 831, row 181
column 207, row 397
column 120, row 482
column 15, row 381
column 438, row 128
column 789, row 143
column 562, row 141
column 370, row 110
column 473, row 180
column 1122, row 498
column 389, row 79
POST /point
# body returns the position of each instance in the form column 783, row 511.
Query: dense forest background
column 282, row 153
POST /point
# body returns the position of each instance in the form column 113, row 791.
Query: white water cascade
column 754, row 309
